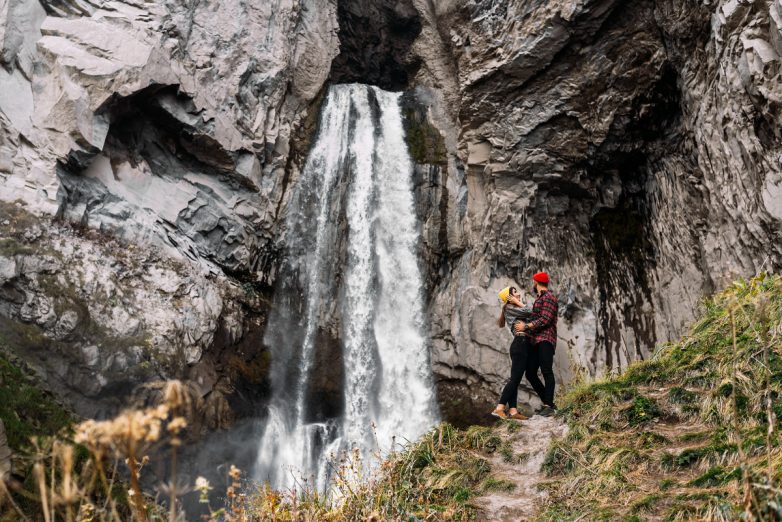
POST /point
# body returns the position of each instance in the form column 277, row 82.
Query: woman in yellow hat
column 512, row 312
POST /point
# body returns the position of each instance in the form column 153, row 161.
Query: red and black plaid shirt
column 543, row 325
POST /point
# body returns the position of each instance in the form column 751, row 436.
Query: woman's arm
column 514, row 301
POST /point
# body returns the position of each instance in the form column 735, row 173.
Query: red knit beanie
column 541, row 277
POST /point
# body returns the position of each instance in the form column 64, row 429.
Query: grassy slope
column 666, row 440
column 25, row 410
column 435, row 478
column 684, row 435
column 28, row 413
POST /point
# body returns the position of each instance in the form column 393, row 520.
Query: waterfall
column 350, row 272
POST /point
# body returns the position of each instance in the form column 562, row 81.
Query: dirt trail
column 529, row 445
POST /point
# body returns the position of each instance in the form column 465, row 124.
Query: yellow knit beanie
column 503, row 295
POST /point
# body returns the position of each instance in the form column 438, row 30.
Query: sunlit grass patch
column 683, row 435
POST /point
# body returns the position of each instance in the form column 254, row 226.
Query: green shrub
column 26, row 410
column 716, row 476
column 642, row 410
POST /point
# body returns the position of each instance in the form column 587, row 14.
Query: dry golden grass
column 688, row 435
column 96, row 476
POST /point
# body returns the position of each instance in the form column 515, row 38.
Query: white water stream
column 351, row 259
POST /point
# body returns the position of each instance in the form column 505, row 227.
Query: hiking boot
column 518, row 417
column 500, row 413
column 547, row 411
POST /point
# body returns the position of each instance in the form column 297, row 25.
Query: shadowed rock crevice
column 622, row 233
column 375, row 39
column 325, row 398
column 161, row 159
column 159, row 116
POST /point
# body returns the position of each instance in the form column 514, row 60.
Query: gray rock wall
column 169, row 123
column 105, row 323
column 631, row 149
column 163, row 132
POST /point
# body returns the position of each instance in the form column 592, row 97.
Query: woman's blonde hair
column 501, row 320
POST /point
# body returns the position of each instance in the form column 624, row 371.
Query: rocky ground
column 520, row 468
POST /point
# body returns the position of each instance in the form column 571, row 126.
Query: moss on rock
column 26, row 410
column 424, row 141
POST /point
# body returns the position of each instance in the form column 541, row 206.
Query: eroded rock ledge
column 104, row 322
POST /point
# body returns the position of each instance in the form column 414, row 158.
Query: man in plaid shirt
column 542, row 329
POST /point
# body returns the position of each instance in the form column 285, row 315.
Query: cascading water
column 351, row 262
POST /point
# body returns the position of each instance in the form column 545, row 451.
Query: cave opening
column 160, row 116
column 622, row 231
column 156, row 120
column 375, row 40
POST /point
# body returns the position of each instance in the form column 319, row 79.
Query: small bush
column 681, row 396
column 494, row 484
column 666, row 484
column 483, row 438
column 642, row 410
column 558, row 461
column 26, row 410
column 645, row 503
column 648, row 439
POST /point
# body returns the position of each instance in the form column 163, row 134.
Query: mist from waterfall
column 351, row 273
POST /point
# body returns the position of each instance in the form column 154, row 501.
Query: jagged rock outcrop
column 97, row 318
column 629, row 148
column 166, row 127
column 188, row 108
column 632, row 149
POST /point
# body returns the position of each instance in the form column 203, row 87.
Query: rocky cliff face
column 631, row 149
column 159, row 135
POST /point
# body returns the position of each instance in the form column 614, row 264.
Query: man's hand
column 519, row 327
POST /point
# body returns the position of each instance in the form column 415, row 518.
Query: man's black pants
column 518, row 365
column 541, row 356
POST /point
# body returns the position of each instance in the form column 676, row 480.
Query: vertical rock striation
column 629, row 148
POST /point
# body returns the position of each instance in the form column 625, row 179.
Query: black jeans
column 518, row 364
column 541, row 356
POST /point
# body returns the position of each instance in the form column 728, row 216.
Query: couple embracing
column 534, row 330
